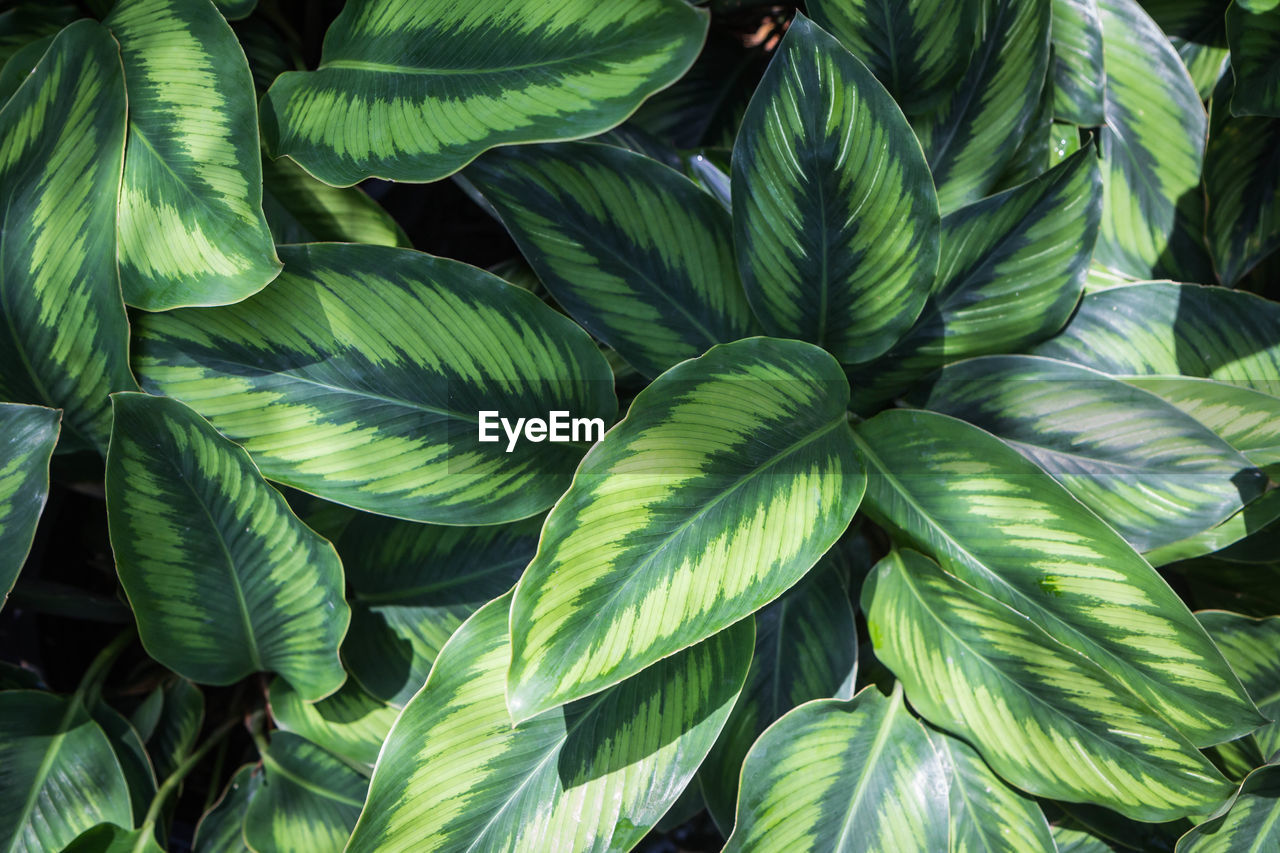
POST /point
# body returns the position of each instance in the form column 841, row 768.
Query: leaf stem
column 174, row 780
column 91, row 682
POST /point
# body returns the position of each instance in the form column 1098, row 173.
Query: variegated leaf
column 1250, row 647
column 359, row 376
column 1002, row 525
column 834, row 214
column 1197, row 30
column 1254, row 37
column 308, row 799
column 223, row 578
column 301, row 209
column 728, row 479
column 594, row 775
column 221, row 828
column 413, row 90
column 1049, row 720
column 1242, row 189
column 634, row 251
column 1079, row 78
column 1251, row 826
column 66, row 340
column 846, row 777
column 27, row 436
column 351, row 724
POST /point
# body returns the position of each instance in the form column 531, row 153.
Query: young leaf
column 1079, row 78
column 728, row 479
column 918, row 49
column 455, row 770
column 66, row 340
column 633, row 250
column 1049, row 720
column 843, row 776
column 1252, row 824
column 191, row 225
column 1254, row 36
column 359, row 374
column 351, row 724
column 308, row 799
column 413, row 90
column 834, row 213
column 223, row 578
column 27, row 438
column 1001, row 524
column 60, row 775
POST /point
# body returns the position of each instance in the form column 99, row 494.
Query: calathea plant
column 848, row 427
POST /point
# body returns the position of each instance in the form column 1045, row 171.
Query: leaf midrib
column 873, row 755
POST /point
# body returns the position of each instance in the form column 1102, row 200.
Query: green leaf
column 1156, row 474
column 1254, row 37
column 1049, row 720
column 109, row 838
column 1252, row 824
column 27, row 435
column 631, row 249
column 413, row 90
column 178, row 725
column 351, row 378
column 308, row 799
column 455, row 770
column 999, row 523
column 60, row 774
column 1197, row 30
column 66, row 340
column 20, row 65
column 223, row 578
column 971, row 139
column 988, row 816
column 843, row 776
column 135, row 763
column 234, row 10
column 27, row 21
column 806, row 648
column 1011, row 272
column 919, row 49
column 1250, row 647
column 1079, row 841
column 834, row 213
column 1167, row 329
column 1033, row 156
column 413, row 585
column 1242, row 183
column 191, row 225
column 1152, row 146
column 1079, row 78
column 301, row 209
column 351, row 724
column 728, row 479
column 221, row 828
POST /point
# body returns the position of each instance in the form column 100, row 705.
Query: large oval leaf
column 27, row 435
column 223, row 578
column 1049, row 720
column 1079, row 78
column 1012, row 269
column 308, row 799
column 66, row 340
column 633, row 250
column 1004, row 526
column 359, row 376
column 60, row 775
column 191, row 225
column 1254, row 36
column 835, row 218
column 970, row 140
column 1250, row 647
column 413, row 90
column 1152, row 146
column 918, row 49
column 1156, row 474
column 1242, row 186
column 351, row 724
column 806, row 648
column 1251, row 826
column 836, row 776
column 728, row 479
column 455, row 770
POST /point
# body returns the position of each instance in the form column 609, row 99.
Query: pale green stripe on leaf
column 1250, row 647
column 1079, row 79
column 1242, row 186
column 221, row 828
column 308, row 800
column 27, row 438
column 351, row 724
column 1251, row 826
column 301, row 209
column 1254, row 37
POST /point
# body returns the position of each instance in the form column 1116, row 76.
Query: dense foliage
column 934, row 343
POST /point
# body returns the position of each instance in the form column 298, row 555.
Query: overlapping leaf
column 1051, row 721
column 26, row 21
column 1079, row 77
column 413, row 90
column 139, row 774
column 1242, row 186
column 177, row 726
column 27, row 435
column 857, row 775
column 308, row 799
column 971, row 139
column 1197, row 30
column 221, row 828
column 1254, row 36
column 1002, row 525
column 1012, row 270
column 633, row 250
column 728, row 479
column 1152, row 147
column 350, row 724
column 191, row 225
column 223, row 578
column 834, row 213
column 1156, row 474
column 594, row 775
column 1252, row 824
column 60, row 775
column 301, row 209
column 360, row 373
column 918, row 49
column 65, row 342
column 1249, row 645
